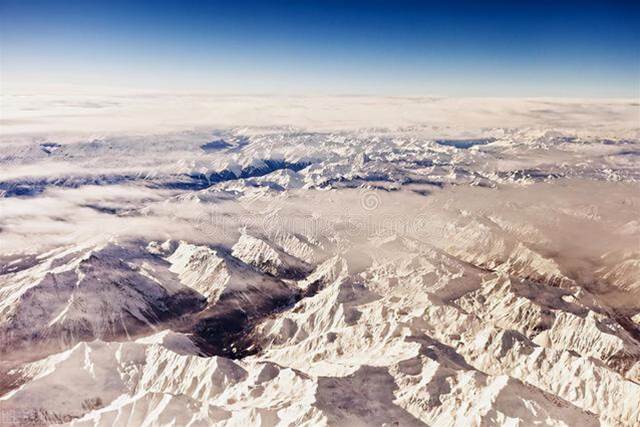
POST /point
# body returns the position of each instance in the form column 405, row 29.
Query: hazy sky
column 517, row 48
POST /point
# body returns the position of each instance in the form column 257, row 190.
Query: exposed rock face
column 270, row 258
column 79, row 294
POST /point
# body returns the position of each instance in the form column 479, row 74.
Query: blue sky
column 518, row 48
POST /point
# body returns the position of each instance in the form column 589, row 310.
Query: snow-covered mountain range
column 268, row 275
